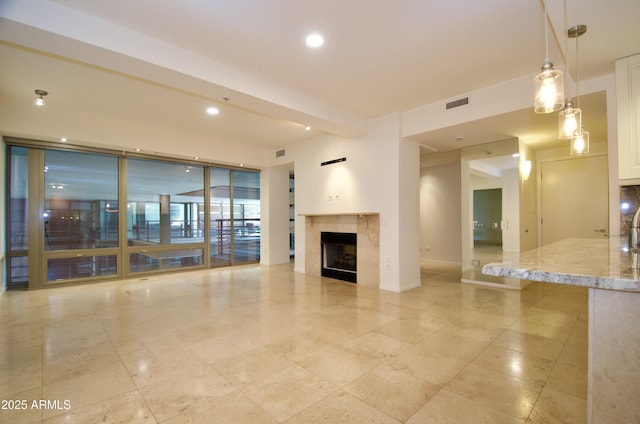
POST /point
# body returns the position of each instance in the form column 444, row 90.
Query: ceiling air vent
column 280, row 153
column 459, row 102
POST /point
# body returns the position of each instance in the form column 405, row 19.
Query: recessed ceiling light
column 63, row 139
column 314, row 40
column 307, row 128
column 213, row 110
column 40, row 99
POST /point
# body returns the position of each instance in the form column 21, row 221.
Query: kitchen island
column 604, row 267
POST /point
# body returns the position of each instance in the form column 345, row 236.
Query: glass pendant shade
column 548, row 89
column 580, row 143
column 569, row 121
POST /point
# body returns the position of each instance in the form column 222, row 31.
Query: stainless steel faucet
column 634, row 231
column 634, row 239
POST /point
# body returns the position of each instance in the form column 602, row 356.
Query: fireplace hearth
column 339, row 256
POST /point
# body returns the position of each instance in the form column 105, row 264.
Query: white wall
column 274, row 213
column 440, row 212
column 528, row 199
column 381, row 175
column 512, row 95
column 408, row 220
column 510, row 210
column 497, row 99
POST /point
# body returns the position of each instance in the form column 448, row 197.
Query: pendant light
column 569, row 121
column 580, row 142
column 570, row 118
column 548, row 84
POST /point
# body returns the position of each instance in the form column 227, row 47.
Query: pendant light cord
column 566, row 44
column 546, row 30
column 577, row 70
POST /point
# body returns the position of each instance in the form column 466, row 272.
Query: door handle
column 601, row 230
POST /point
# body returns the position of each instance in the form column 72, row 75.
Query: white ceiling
column 139, row 74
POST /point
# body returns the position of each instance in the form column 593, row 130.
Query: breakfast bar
column 604, row 266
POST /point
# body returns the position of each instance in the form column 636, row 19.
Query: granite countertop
column 595, row 263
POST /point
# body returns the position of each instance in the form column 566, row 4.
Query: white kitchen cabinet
column 628, row 95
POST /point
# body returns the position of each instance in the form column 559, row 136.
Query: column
column 274, row 215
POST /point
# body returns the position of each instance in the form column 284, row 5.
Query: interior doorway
column 490, row 209
column 574, row 199
column 487, row 218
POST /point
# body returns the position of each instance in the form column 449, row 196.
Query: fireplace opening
column 339, row 256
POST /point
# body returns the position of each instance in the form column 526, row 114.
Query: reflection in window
column 164, row 203
column 153, row 261
column 81, row 267
column 81, row 200
column 246, row 216
column 17, row 214
column 164, row 211
column 18, row 180
column 220, row 217
column 19, row 271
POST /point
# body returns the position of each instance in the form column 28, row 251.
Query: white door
column 575, row 199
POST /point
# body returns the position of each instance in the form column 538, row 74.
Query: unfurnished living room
column 268, row 211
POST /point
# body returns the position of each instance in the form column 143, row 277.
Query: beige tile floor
column 266, row 345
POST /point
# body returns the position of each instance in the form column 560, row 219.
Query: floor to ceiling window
column 220, row 216
column 246, row 216
column 163, row 226
column 234, row 216
column 64, row 221
column 16, row 217
column 80, row 215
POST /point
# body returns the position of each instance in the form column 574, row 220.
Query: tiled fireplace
column 339, row 254
column 363, row 228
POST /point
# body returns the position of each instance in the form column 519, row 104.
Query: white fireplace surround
column 366, row 225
